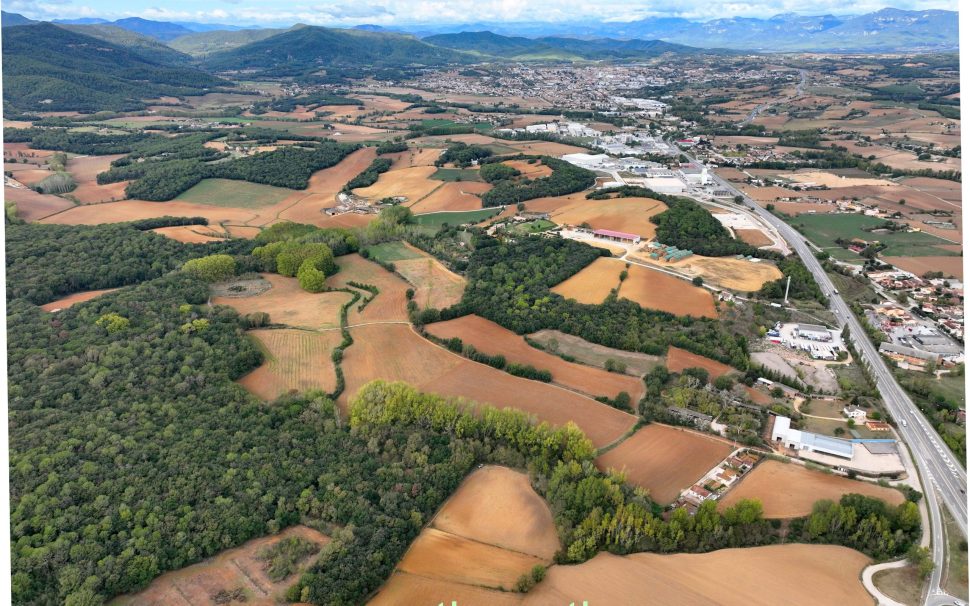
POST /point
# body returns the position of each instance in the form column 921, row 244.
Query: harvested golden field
column 493, row 530
column 190, row 234
column 390, row 304
column 950, row 266
column 404, row 588
column 545, row 148
column 287, row 303
column 831, row 180
column 531, row 171
column 296, row 360
column 448, row 557
column 657, row 290
column 132, row 210
column 394, row 352
column 665, row 460
column 414, row 156
column 631, row 215
column 754, row 237
column 413, row 183
column 724, row 272
column 435, row 285
column 32, row 206
column 307, row 206
column 230, row 569
column 493, row 339
column 679, row 359
column 593, row 283
column 242, row 231
column 806, row 575
column 74, row 299
column 85, row 171
column 453, row 196
column 789, row 490
column 497, row 506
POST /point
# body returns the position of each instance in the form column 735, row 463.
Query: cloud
column 357, row 11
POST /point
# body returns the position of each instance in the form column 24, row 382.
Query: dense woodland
column 565, row 179
column 510, row 285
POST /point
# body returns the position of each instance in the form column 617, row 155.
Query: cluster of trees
column 494, row 172
column 76, row 142
column 510, row 285
column 566, row 178
column 498, row 361
column 369, row 175
column 863, row 523
column 282, row 558
column 391, row 147
column 686, row 224
column 310, row 262
column 213, row 268
column 462, row 155
column 803, row 285
column 309, row 100
column 45, row 262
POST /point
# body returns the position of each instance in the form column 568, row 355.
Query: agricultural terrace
column 287, row 303
column 492, row 339
column 665, row 460
column 789, row 490
column 804, row 574
column 825, row 230
column 395, row 352
column 74, row 299
column 296, row 360
column 494, row 529
column 238, row 568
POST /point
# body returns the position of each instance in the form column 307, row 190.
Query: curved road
column 942, row 474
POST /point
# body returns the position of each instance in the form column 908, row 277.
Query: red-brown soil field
column 490, row 338
column 74, row 299
column 657, row 290
column 665, row 460
column 390, row 304
column 790, row 490
column 395, row 352
column 679, row 359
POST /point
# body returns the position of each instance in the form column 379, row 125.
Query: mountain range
column 551, row 47
column 887, row 30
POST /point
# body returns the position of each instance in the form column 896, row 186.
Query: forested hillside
column 48, row 68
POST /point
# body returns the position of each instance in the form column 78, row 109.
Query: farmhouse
column 699, row 419
column 617, row 236
column 854, row 412
column 797, row 440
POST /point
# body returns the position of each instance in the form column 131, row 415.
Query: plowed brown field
column 493, row 339
column 665, row 460
column 287, row 303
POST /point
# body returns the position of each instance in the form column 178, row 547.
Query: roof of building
column 811, row 328
column 908, row 351
column 826, row 444
column 609, row 233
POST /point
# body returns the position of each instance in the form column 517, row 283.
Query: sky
column 411, row 12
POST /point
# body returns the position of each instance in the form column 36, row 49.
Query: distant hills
column 144, row 46
column 309, row 47
column 204, row 43
column 50, row 68
column 887, row 30
column 519, row 48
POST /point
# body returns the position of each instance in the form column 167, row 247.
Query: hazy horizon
column 402, row 13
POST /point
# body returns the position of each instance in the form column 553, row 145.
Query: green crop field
column 532, row 227
column 825, row 229
column 234, row 194
column 392, row 251
column 457, row 218
column 456, row 174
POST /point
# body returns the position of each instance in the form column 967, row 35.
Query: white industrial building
column 804, row 441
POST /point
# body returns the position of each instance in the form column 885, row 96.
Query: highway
column 943, row 477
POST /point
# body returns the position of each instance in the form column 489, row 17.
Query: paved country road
column 943, row 477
